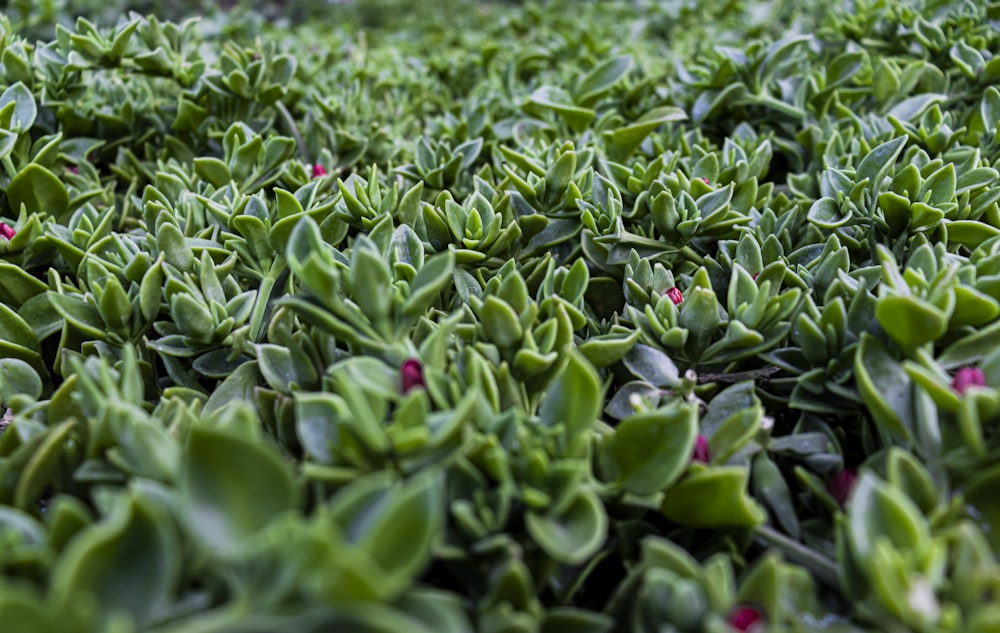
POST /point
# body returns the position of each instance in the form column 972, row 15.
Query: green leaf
column 319, row 427
column 885, row 386
column 877, row 163
column 574, row 399
column 699, row 315
column 602, row 78
column 940, row 186
column 728, row 403
column 528, row 363
column 627, row 139
column 239, row 386
column 402, row 541
column 576, row 620
column 709, row 101
column 970, row 233
column 826, row 214
column 500, row 323
column 652, row 366
column 371, row 282
column 151, row 291
column 605, row 350
column 878, row 511
column 193, row 318
column 231, row 487
column 573, row 535
column 14, row 329
column 762, row 584
column 8, row 141
column 909, row 321
column 66, row 517
column 910, row 108
column 115, row 308
column 971, row 348
column 22, row 610
column 130, row 561
column 432, row 278
column 973, row 307
column 553, row 99
column 906, row 473
column 18, row 286
column 843, row 67
column 40, row 470
column 22, row 117
column 769, row 485
column 712, row 498
column 210, row 169
column 649, row 451
column 974, row 179
column 734, row 433
column 174, row 247
column 39, row 190
column 144, row 448
column 285, row 370
column 559, row 176
column 80, row 314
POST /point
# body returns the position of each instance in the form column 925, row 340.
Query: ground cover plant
column 439, row 317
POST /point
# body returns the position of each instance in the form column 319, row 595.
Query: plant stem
column 824, row 569
column 740, row 376
column 8, row 164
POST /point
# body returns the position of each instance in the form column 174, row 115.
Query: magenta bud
column 412, row 374
column 843, row 484
column 700, row 453
column 746, row 618
column 675, row 295
column 968, row 377
column 6, row 231
column 318, row 171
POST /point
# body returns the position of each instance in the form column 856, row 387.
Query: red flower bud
column 6, row 231
column 842, row 485
column 412, row 374
column 675, row 295
column 746, row 618
column 700, row 453
column 318, row 171
column 968, row 377
column 73, row 169
column 705, row 180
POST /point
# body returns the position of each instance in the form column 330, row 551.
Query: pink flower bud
column 843, row 484
column 968, row 377
column 746, row 618
column 6, row 231
column 73, row 169
column 700, row 453
column 705, row 180
column 675, row 295
column 318, row 171
column 412, row 374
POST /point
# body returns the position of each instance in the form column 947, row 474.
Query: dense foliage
column 439, row 317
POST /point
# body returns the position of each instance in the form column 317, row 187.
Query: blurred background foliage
column 37, row 18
